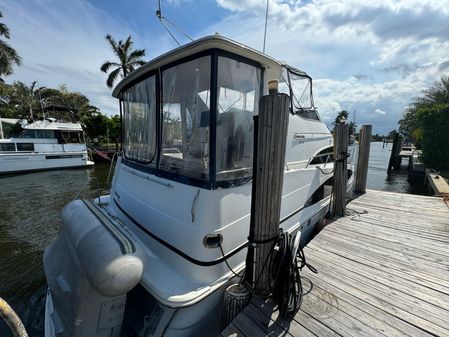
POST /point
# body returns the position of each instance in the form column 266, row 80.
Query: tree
column 426, row 122
column 96, row 125
column 352, row 128
column 8, row 56
column 29, row 100
column 342, row 114
column 128, row 59
column 75, row 104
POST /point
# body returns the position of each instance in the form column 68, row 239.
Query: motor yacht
column 44, row 145
column 154, row 257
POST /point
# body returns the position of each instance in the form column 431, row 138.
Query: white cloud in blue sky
column 369, row 56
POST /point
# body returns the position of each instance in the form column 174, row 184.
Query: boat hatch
column 192, row 120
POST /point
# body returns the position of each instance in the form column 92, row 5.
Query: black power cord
column 285, row 261
column 285, row 266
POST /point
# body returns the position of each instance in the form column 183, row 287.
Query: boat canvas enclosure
column 188, row 115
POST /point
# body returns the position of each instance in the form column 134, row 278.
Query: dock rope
column 12, row 320
column 285, row 266
column 285, row 262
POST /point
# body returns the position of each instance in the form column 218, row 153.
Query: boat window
column 283, row 86
column 72, row 137
column 301, row 92
column 139, row 118
column 37, row 134
column 237, row 103
column 324, row 156
column 7, row 147
column 26, row 147
column 185, row 119
column 309, row 114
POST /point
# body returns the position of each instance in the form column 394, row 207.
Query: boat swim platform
column 383, row 270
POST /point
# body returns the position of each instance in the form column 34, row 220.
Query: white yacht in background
column 150, row 258
column 44, row 145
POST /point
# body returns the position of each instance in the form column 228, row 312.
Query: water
column 377, row 172
column 30, row 209
column 30, row 212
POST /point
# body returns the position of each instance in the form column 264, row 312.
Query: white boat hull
column 26, row 162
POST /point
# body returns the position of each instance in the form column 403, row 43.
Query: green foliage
column 73, row 104
column 20, row 100
column 426, row 122
column 128, row 59
column 27, row 99
column 114, row 128
column 342, row 114
column 95, row 125
column 8, row 56
column 434, row 122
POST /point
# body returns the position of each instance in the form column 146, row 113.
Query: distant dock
column 382, row 271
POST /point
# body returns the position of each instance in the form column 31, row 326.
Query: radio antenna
column 161, row 18
column 265, row 33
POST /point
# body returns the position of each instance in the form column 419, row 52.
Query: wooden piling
column 395, row 159
column 268, row 171
column 340, row 170
column 362, row 160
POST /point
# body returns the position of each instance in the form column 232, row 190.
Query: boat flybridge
column 150, row 259
column 44, row 145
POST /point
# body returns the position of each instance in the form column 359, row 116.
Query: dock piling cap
column 273, row 86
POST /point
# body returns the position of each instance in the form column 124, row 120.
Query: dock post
column 363, row 158
column 268, row 172
column 395, row 160
column 340, row 169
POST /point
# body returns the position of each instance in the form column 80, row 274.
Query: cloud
column 379, row 112
column 368, row 57
column 63, row 43
column 364, row 57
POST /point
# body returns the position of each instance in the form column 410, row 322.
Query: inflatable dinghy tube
column 112, row 263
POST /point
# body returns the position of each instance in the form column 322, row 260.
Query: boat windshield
column 299, row 87
column 237, row 103
column 188, row 109
column 301, row 91
column 139, row 118
column 185, row 118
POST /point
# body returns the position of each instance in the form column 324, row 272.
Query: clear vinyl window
column 139, row 118
column 237, row 103
column 185, row 119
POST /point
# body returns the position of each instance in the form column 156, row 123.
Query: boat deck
column 382, row 271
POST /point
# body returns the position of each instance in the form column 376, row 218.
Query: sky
column 369, row 57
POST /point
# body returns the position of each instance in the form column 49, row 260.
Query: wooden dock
column 382, row 271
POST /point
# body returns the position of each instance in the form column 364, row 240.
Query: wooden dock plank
column 383, row 272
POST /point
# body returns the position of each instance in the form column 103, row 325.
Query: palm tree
column 74, row 103
column 128, row 59
column 28, row 99
column 8, row 56
column 342, row 115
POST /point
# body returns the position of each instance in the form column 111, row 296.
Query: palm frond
column 136, row 55
column 112, row 77
column 105, row 67
column 8, row 58
column 4, row 30
column 127, row 44
column 114, row 45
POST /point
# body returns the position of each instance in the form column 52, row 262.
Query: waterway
column 30, row 208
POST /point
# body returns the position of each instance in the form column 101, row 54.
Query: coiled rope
column 12, row 320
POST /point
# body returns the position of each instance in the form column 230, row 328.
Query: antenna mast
column 265, row 33
column 161, row 17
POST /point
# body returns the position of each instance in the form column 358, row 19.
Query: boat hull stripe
column 176, row 250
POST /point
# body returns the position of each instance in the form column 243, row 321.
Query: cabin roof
column 47, row 124
column 209, row 42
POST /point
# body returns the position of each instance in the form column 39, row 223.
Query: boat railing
column 328, row 155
